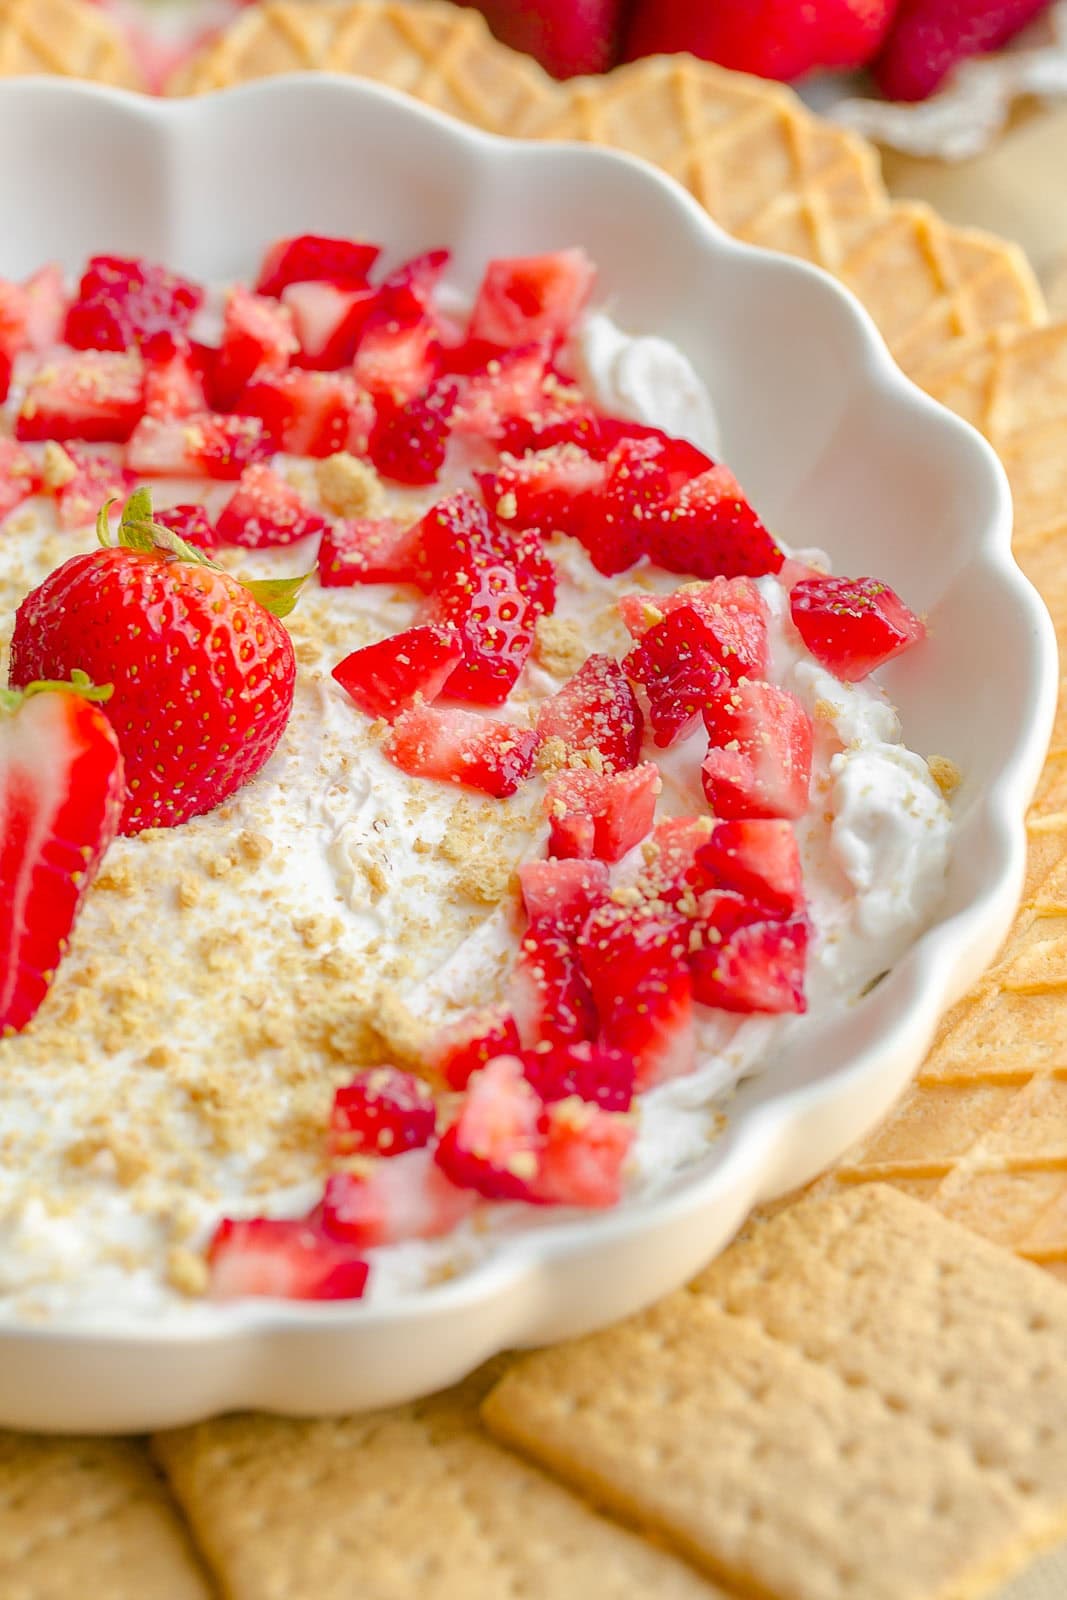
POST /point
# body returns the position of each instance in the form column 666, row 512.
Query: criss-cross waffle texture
column 65, row 37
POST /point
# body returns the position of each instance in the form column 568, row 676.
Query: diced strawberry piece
column 465, row 1046
column 408, row 1198
column 382, row 1112
column 673, row 872
column 312, row 413
column 596, row 710
column 532, row 297
column 327, row 321
column 258, row 343
column 600, row 814
column 511, row 386
column 174, row 376
column 386, row 678
column 759, row 763
column 758, row 966
column 708, row 527
column 584, row 1150
column 731, row 609
column 32, row 313
column 549, row 993
column 95, row 396
column 123, row 300
column 563, row 892
column 593, row 1072
column 190, row 523
column 615, row 530
column 264, row 511
column 462, row 747
column 494, row 1145
column 792, row 572
column 310, row 258
column 87, row 484
column 19, row 476
column 680, row 459
column 853, row 625
column 7, row 367
column 759, row 860
column 458, row 537
column 677, row 662
column 409, row 441
column 495, row 623
column 637, row 967
column 419, row 276
column 283, row 1260
column 366, row 550
column 203, row 445
column 546, row 490
column 398, row 352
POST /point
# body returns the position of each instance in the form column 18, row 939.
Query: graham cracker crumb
column 559, row 646
column 57, row 468
column 349, row 487
column 552, row 755
column 186, row 1271
column 484, row 870
column 945, row 773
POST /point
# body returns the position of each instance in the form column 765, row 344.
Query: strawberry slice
column 190, row 523
column 461, row 747
column 563, row 892
column 382, row 1112
column 494, row 1145
column 311, row 258
column 759, row 763
column 758, row 966
column 546, row 490
column 82, row 483
column 95, row 395
column 388, row 677
column 465, row 1046
column 494, row 621
column 708, row 527
column 759, row 860
column 327, row 321
column 852, row 625
column 615, row 528
column 407, row 1198
column 19, row 476
column 312, row 413
column 731, row 609
column 409, row 441
column 203, row 445
column 124, row 300
column 283, row 1260
column 367, row 550
column 264, row 511
column 61, row 793
column 593, row 1072
column 677, row 663
column 637, row 967
column 531, row 298
column 549, row 993
column 258, row 342
column 581, row 1162
column 174, row 376
column 600, row 814
column 596, row 710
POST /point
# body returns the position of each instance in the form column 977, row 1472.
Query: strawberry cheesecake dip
column 426, row 786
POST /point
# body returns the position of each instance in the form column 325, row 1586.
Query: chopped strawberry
column 190, row 523
column 759, row 763
column 61, row 789
column 310, row 258
column 93, row 395
column 680, row 460
column 458, row 537
column 409, row 441
column 464, row 1046
column 418, row 277
column 563, row 892
column 531, row 298
column 89, row 482
column 312, row 413
column 549, row 994
column 174, row 376
column 258, row 343
column 558, row 414
column 366, row 550
column 398, row 355
column 327, row 321
column 388, row 677
column 677, row 663
column 122, row 301
column 511, row 386
column 31, row 316
column 596, row 710
column 494, row 1145
column 637, row 968
column 731, row 609
column 546, row 490
column 462, row 747
column 708, row 527
column 853, row 625
column 793, row 571
column 674, row 874
column 600, row 814
column 495, row 623
column 264, row 511
column 283, row 1260
column 19, row 476
column 382, row 1112
column 759, row 860
column 407, row 1198
column 203, row 445
column 615, row 530
column 583, row 1153
column 758, row 966
column 593, row 1072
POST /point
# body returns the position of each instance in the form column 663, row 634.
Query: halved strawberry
column 174, row 376
column 61, row 792
column 563, row 891
column 636, row 962
column 615, row 528
column 264, row 511
column 464, row 1046
column 409, row 1198
column 382, row 1112
column 388, row 677
column 409, row 441
column 495, row 624
column 311, row 258
column 759, row 762
column 593, row 1072
column 461, row 747
column 327, row 320
column 758, row 966
column 732, row 610
column 511, row 386
column 532, row 297
column 258, row 343
column 312, row 413
column 596, row 710
column 458, row 537
column 673, row 873
column 678, row 665
column 19, row 476
column 600, row 814
column 759, row 860
column 853, row 625
column 284, row 1260
column 584, row 1149
column 203, row 445
column 367, row 550
column 93, row 395
column 548, row 990
column 494, row 1145
column 123, row 300
column 93, row 480
column 708, row 527
column 190, row 523
column 546, row 489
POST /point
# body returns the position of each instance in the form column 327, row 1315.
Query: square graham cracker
column 859, row 1401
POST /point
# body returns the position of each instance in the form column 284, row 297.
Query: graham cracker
column 859, row 1399
column 89, row 1517
column 414, row 1501
column 65, row 37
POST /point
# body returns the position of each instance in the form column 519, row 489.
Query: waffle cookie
column 64, row 37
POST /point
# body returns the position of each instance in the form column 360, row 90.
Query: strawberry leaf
column 277, row 595
column 79, row 683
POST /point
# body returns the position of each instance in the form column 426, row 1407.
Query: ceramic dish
column 838, row 450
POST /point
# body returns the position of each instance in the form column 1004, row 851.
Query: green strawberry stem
column 79, row 683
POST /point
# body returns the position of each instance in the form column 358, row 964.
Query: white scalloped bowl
column 838, row 450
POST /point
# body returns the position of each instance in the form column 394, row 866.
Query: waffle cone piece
column 64, row 37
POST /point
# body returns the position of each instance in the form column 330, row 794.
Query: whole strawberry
column 930, row 37
column 203, row 672
column 781, row 39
